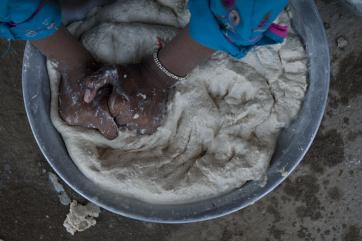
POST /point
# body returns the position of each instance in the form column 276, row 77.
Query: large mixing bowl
column 292, row 146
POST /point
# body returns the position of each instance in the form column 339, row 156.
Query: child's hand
column 74, row 111
column 139, row 97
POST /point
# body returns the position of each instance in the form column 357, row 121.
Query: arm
column 183, row 54
column 40, row 22
column 66, row 50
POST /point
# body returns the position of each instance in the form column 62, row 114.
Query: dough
column 81, row 217
column 222, row 123
column 58, row 187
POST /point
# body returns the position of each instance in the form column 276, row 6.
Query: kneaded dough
column 81, row 217
column 222, row 123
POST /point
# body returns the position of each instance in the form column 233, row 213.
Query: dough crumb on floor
column 58, row 187
column 81, row 217
column 342, row 42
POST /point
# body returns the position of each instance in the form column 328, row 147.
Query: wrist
column 151, row 70
column 183, row 54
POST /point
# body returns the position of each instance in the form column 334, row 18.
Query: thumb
column 105, row 122
column 117, row 103
column 102, row 77
column 108, row 128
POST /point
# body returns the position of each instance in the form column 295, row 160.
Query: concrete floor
column 321, row 200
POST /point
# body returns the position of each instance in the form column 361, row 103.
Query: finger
column 105, row 122
column 151, row 119
column 101, row 78
column 117, row 103
column 108, row 128
column 124, row 115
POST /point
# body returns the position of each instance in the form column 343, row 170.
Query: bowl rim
column 35, row 94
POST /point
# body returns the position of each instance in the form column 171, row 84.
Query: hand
column 73, row 60
column 139, row 96
column 74, row 111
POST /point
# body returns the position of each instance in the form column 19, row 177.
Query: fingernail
column 87, row 95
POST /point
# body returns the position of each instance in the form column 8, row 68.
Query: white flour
column 222, row 123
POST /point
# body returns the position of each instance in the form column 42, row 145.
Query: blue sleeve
column 28, row 19
column 235, row 26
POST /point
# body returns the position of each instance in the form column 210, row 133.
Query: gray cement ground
column 321, row 200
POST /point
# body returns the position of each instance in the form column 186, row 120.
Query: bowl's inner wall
column 292, row 144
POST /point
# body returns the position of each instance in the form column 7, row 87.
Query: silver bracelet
column 163, row 69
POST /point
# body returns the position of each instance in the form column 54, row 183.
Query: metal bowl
column 354, row 5
column 292, row 145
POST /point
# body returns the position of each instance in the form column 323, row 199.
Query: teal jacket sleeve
column 235, row 26
column 28, row 19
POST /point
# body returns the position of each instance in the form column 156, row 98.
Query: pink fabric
column 279, row 30
column 228, row 3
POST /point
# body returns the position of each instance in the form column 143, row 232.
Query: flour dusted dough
column 81, row 217
column 222, row 123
